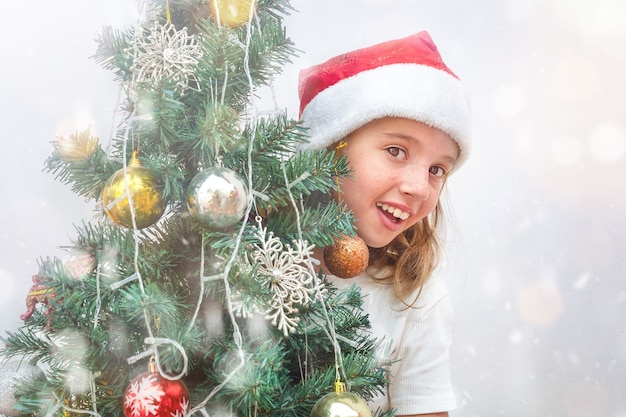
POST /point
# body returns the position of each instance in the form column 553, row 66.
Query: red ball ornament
column 347, row 257
column 151, row 395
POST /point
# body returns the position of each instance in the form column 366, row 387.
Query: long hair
column 412, row 256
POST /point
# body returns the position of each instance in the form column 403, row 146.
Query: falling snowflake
column 166, row 53
column 240, row 308
column 144, row 396
column 287, row 274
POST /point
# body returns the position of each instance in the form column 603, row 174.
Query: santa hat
column 399, row 78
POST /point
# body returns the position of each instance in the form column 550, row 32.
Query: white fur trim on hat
column 419, row 92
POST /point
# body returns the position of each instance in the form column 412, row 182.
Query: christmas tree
column 194, row 289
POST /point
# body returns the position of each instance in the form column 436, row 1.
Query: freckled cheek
column 427, row 208
column 432, row 203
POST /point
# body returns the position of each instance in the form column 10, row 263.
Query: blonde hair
column 413, row 256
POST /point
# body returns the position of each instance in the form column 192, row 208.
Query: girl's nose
column 416, row 183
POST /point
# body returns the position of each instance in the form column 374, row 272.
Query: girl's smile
column 398, row 168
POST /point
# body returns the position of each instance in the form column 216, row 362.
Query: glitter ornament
column 232, row 13
column 347, row 257
column 11, row 373
column 152, row 395
column 217, row 197
column 39, row 293
column 79, row 265
column 341, row 404
column 145, row 191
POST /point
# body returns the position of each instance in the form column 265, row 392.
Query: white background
column 538, row 226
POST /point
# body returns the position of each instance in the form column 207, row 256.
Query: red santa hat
column 399, row 78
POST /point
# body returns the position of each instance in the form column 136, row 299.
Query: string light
column 184, row 66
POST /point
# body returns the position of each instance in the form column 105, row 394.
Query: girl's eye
column 396, row 152
column 437, row 171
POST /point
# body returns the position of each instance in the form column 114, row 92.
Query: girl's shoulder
column 421, row 300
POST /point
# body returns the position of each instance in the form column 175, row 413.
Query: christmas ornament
column 340, row 404
column 166, row 53
column 286, row 272
column 39, row 294
column 79, row 265
column 11, row 373
column 347, row 257
column 76, row 147
column 232, row 13
column 151, row 395
column 145, row 191
column 218, row 197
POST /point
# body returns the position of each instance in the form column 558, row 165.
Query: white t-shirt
column 416, row 339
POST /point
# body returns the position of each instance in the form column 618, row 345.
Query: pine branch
column 27, row 341
column 320, row 225
column 87, row 176
column 111, row 52
column 93, row 327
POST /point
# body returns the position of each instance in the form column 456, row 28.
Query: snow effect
column 545, row 187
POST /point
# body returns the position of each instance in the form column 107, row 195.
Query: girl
column 401, row 117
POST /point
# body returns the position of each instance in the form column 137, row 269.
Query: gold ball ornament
column 341, row 404
column 144, row 189
column 347, row 257
column 232, row 13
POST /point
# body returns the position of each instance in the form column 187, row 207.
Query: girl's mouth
column 393, row 213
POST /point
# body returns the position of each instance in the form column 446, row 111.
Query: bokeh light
column 540, row 303
column 597, row 19
column 607, row 142
column 585, row 399
column 8, row 292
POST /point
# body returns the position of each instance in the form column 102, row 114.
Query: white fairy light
column 166, row 53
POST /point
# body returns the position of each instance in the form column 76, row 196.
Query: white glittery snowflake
column 144, row 396
column 166, row 53
column 287, row 274
column 183, row 408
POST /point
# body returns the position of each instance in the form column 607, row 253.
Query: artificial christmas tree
column 210, row 277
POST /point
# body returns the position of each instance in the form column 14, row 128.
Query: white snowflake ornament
column 166, row 53
column 286, row 272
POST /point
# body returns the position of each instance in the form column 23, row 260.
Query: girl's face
column 399, row 167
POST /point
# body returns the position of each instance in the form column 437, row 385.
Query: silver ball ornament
column 217, row 197
column 11, row 373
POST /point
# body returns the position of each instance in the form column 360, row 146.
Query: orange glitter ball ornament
column 347, row 257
